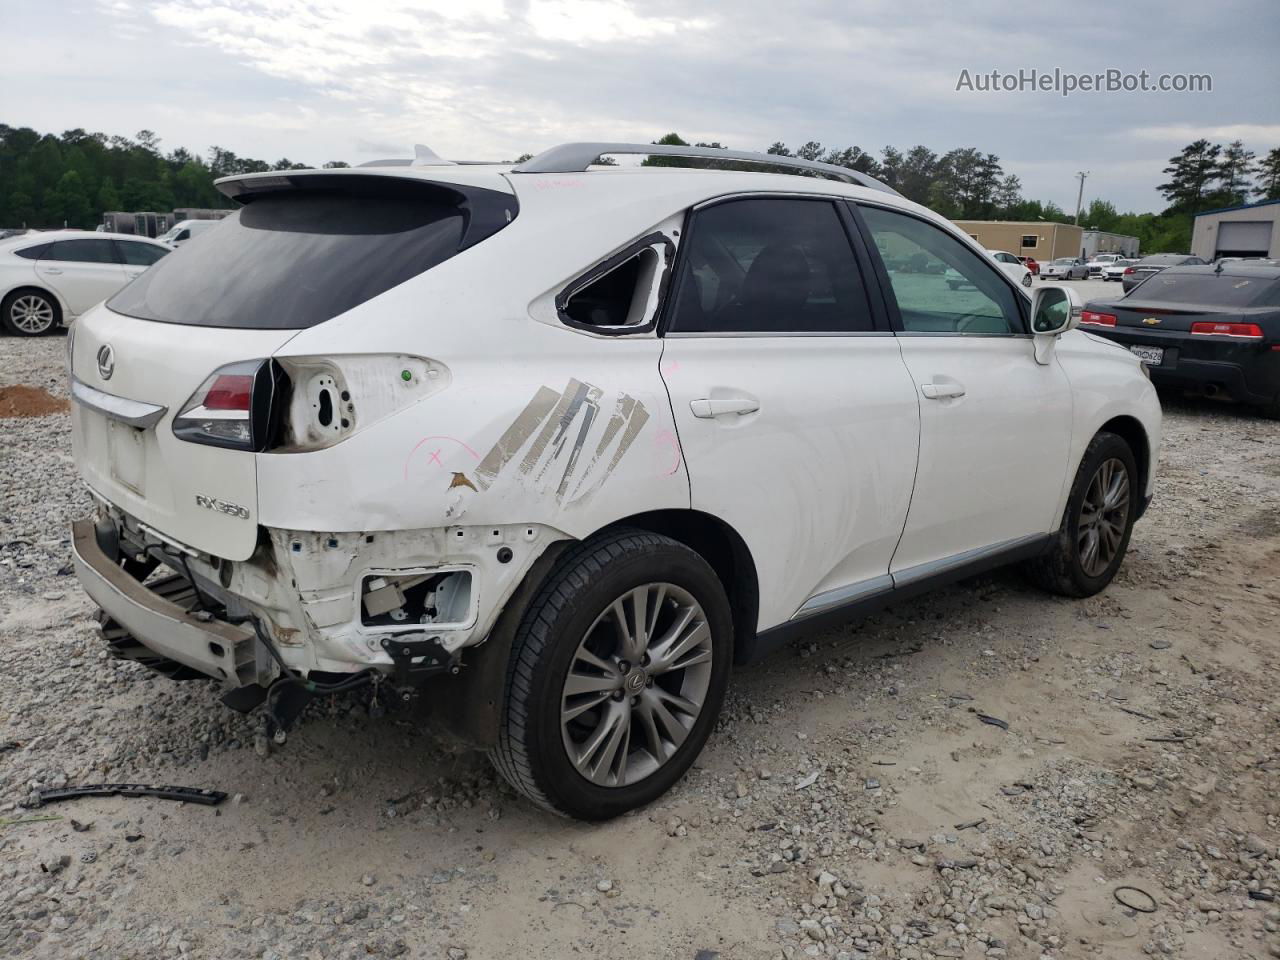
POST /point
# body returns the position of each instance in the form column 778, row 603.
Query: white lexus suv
column 554, row 445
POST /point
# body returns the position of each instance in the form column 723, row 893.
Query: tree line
column 73, row 178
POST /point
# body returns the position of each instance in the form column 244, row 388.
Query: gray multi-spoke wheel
column 636, row 685
column 29, row 313
column 1104, row 517
column 1089, row 546
column 616, row 676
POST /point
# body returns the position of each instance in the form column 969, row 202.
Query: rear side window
column 769, row 265
column 82, row 251
column 140, row 254
column 293, row 259
column 33, row 253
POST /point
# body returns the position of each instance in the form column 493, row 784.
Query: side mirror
column 1054, row 311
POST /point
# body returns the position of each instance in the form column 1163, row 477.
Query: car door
column 994, row 425
column 797, row 418
column 83, row 272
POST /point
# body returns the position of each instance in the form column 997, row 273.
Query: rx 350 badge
column 222, row 506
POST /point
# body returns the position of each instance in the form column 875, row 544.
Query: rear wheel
column 1094, row 535
column 29, row 313
column 616, row 677
column 1026, row 279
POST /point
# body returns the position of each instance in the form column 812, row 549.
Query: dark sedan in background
column 1212, row 330
column 1149, row 266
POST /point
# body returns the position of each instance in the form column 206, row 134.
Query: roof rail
column 577, row 157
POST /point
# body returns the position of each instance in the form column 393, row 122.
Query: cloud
column 1182, row 133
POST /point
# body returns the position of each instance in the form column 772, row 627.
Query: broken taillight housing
column 232, row 408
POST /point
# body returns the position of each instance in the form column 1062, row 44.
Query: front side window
column 140, row 254
column 941, row 286
column 769, row 265
column 82, row 251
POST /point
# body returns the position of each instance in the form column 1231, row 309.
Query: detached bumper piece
column 208, row 798
column 147, row 617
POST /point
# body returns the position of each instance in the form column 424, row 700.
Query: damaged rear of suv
column 493, row 437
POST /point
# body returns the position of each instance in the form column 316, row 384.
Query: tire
column 1026, row 280
column 30, row 313
column 1069, row 568
column 545, row 739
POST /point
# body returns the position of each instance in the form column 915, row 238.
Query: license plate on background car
column 1153, row 356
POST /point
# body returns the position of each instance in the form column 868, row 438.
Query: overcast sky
column 317, row 80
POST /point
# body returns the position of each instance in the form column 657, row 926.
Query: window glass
column 294, row 259
column 82, row 251
column 940, row 284
column 33, row 253
column 624, row 296
column 1214, row 289
column 1029, row 240
column 772, row 265
column 140, row 254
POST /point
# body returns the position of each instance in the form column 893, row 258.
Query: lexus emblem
column 106, row 361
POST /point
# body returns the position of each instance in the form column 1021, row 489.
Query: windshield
column 296, row 258
column 1213, row 289
column 1064, row 260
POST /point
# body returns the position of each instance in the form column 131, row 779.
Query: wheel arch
column 1130, row 430
column 470, row 705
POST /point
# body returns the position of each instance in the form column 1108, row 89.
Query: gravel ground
column 851, row 804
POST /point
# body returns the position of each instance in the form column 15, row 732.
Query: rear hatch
column 307, row 247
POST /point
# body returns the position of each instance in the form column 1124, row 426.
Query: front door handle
column 705, row 409
column 941, row 391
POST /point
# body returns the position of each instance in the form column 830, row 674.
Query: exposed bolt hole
column 345, row 396
column 505, row 555
column 345, row 423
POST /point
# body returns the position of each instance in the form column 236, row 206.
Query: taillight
column 1128, row 271
column 1098, row 319
column 232, row 408
column 1245, row 331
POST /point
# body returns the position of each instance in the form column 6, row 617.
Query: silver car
column 1064, row 268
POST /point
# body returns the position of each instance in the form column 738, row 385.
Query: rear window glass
column 1208, row 288
column 293, row 259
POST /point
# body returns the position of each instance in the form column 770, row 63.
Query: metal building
column 1249, row 230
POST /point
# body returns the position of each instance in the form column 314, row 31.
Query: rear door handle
column 705, row 409
column 53, row 271
column 941, row 391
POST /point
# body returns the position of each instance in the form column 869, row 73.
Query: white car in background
column 1116, row 268
column 1101, row 261
column 1011, row 265
column 48, row 279
column 184, row 230
column 553, row 446
column 1064, row 268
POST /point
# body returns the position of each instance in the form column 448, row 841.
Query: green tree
column 1235, row 172
column 1100, row 215
column 1190, row 174
column 69, row 202
column 107, row 198
column 1268, row 187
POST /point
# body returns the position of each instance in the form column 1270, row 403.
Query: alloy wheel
column 31, row 314
column 636, row 684
column 1104, row 517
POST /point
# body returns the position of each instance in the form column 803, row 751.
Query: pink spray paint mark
column 434, row 457
column 665, row 438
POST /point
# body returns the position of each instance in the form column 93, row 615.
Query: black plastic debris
column 994, row 721
column 1135, row 898
column 208, row 798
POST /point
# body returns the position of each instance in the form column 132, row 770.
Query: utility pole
column 1080, row 196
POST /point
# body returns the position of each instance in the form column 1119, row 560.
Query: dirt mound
column 25, row 401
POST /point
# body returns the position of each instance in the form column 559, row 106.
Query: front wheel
column 617, row 674
column 1094, row 535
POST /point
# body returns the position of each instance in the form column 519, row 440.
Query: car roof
column 1165, row 257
